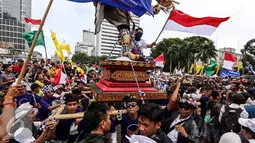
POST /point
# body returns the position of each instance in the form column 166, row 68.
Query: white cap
column 230, row 138
column 249, row 123
column 23, row 110
column 24, row 135
column 139, row 139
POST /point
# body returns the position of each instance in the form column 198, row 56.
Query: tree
column 183, row 52
column 248, row 53
column 190, row 50
column 80, row 57
column 83, row 58
column 165, row 47
column 203, row 48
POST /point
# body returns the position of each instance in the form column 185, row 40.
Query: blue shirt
column 27, row 97
column 63, row 128
column 44, row 112
column 128, row 126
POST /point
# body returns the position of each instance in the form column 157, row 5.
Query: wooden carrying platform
column 118, row 81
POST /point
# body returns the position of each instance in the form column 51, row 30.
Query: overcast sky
column 68, row 19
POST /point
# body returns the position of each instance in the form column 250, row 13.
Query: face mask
column 138, row 36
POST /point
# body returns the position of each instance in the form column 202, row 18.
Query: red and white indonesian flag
column 179, row 21
column 229, row 61
column 60, row 77
column 32, row 21
column 160, row 61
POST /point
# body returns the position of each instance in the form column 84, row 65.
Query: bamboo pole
column 23, row 70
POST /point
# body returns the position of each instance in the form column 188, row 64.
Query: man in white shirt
column 137, row 46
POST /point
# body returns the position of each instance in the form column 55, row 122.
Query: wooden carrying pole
column 81, row 115
column 23, row 70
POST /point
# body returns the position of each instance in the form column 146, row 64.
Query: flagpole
column 45, row 46
column 23, row 70
column 164, row 25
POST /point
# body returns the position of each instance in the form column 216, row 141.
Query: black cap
column 20, row 60
column 128, row 98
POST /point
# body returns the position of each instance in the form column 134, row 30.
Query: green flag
column 29, row 36
column 210, row 70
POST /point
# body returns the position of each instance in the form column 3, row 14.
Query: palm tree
column 190, row 51
column 175, row 53
column 248, row 53
column 206, row 48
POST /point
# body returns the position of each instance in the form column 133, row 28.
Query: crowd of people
column 198, row 109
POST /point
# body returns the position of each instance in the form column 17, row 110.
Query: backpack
column 229, row 121
column 208, row 119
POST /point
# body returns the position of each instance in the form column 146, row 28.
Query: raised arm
column 174, row 96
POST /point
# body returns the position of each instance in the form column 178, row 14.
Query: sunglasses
column 185, row 107
column 131, row 105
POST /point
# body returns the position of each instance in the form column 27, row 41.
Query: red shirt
column 17, row 68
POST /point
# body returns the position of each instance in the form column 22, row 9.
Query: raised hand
column 17, row 90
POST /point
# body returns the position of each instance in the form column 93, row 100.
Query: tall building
column 12, row 24
column 88, row 43
column 108, row 37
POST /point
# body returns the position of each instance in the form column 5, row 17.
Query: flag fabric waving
column 58, row 50
column 191, row 68
column 229, row 61
column 226, row 73
column 239, row 66
column 160, row 61
column 179, row 21
column 60, row 77
column 32, row 21
column 218, row 69
column 210, row 69
column 29, row 36
column 138, row 7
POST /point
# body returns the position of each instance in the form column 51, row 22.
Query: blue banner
column 138, row 7
column 226, row 73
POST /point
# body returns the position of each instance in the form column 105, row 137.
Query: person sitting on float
column 138, row 45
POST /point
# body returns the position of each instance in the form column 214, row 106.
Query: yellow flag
column 60, row 47
column 202, row 69
column 183, row 69
column 198, row 68
column 66, row 47
column 218, row 69
column 191, row 68
column 54, row 38
column 60, row 54
column 80, row 70
column 240, row 65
